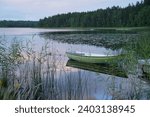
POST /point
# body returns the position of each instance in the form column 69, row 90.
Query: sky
column 38, row 9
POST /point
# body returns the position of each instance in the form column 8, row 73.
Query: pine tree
column 147, row 2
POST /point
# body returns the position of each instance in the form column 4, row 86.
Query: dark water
column 78, row 81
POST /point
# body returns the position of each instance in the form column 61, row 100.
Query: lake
column 43, row 63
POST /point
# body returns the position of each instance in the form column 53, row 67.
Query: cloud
column 36, row 9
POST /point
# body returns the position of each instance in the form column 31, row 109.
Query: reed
column 26, row 74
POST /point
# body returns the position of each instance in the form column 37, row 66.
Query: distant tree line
column 5, row 23
column 132, row 15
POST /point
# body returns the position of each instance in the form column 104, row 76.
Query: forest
column 130, row 16
column 134, row 15
column 5, row 23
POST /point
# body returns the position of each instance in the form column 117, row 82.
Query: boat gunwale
column 94, row 55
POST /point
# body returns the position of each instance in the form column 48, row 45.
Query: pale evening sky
column 36, row 9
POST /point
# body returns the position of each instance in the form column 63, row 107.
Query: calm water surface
column 76, row 82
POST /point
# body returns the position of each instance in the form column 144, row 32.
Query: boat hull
column 91, row 59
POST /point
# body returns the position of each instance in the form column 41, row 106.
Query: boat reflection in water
column 100, row 68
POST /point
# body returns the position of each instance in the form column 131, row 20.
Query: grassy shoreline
column 22, row 71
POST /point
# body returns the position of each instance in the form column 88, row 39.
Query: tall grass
column 27, row 74
column 136, row 50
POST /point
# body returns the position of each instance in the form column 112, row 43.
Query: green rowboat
column 91, row 58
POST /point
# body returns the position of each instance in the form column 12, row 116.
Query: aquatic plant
column 26, row 74
column 29, row 74
column 136, row 50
